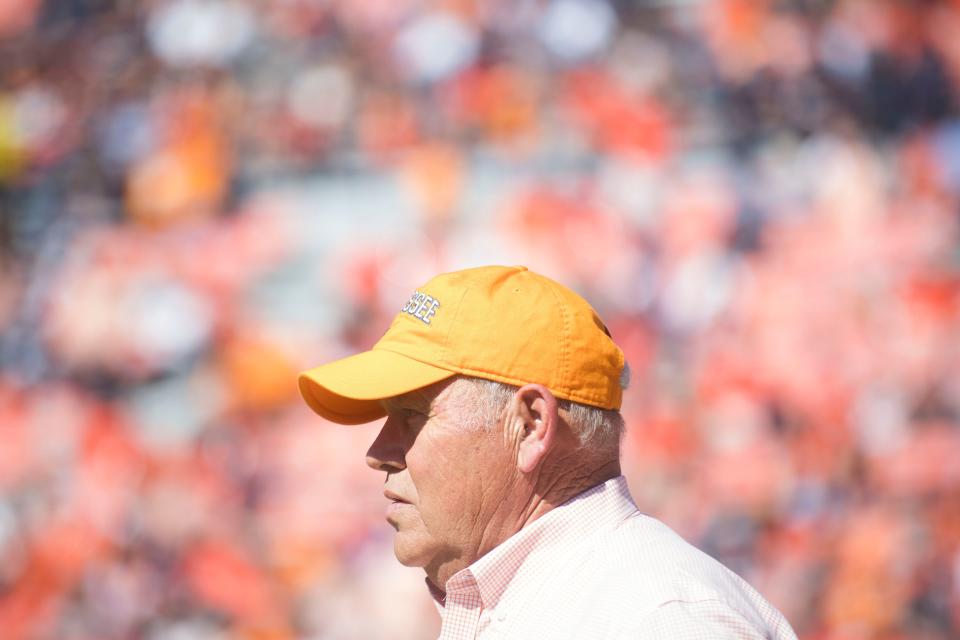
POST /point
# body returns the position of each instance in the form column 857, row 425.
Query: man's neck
column 550, row 491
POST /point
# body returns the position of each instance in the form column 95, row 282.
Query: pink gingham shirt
column 595, row 568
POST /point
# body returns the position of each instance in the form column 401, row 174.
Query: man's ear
column 533, row 416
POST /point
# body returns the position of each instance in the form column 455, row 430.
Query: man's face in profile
column 445, row 476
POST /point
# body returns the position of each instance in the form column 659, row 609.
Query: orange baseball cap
column 506, row 324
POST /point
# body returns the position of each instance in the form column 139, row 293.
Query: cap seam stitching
column 577, row 397
column 445, row 367
column 453, row 323
column 565, row 339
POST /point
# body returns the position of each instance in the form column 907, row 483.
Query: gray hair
column 599, row 430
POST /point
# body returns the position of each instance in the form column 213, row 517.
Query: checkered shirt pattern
column 596, row 568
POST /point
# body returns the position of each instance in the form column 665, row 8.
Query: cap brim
column 349, row 391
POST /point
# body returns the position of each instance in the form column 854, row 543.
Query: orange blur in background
column 199, row 198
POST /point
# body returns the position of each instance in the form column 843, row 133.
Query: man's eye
column 414, row 417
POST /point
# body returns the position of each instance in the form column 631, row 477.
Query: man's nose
column 387, row 452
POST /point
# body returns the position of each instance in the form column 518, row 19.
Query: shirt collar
column 600, row 507
column 438, row 596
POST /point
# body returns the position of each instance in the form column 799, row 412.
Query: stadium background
column 201, row 197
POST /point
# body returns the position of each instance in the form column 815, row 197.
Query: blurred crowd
column 199, row 198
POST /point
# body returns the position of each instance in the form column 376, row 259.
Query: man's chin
column 411, row 549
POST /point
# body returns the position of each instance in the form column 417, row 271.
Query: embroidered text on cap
column 421, row 306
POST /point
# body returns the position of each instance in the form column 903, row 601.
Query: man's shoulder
column 632, row 579
column 646, row 557
column 642, row 572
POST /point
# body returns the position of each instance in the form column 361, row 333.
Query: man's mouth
column 396, row 509
column 391, row 496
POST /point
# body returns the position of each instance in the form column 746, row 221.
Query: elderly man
column 502, row 390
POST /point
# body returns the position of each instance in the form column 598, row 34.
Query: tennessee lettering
column 421, row 306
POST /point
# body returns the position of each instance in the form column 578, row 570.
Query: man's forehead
column 415, row 398
column 422, row 398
